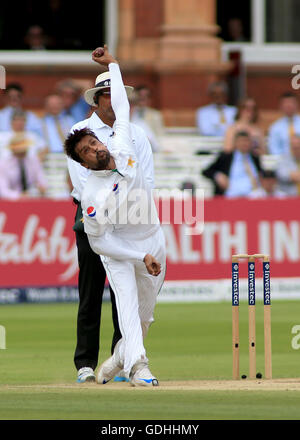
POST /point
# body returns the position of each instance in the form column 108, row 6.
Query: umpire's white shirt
column 79, row 174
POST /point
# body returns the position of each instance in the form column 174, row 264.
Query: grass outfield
column 189, row 347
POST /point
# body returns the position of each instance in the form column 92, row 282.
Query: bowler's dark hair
column 73, row 139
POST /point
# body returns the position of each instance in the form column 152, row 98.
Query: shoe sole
column 121, row 379
column 88, row 379
column 144, row 383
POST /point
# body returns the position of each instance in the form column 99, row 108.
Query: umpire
column 92, row 275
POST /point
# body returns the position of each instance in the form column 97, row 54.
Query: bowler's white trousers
column 136, row 294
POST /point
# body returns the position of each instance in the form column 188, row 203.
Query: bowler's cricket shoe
column 121, row 377
column 86, row 374
column 111, row 367
column 108, row 370
column 140, row 375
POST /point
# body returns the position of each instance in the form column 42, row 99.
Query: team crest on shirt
column 91, row 211
column 131, row 162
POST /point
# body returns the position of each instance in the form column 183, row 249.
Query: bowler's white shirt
column 79, row 174
column 117, row 205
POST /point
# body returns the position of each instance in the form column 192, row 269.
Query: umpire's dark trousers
column 91, row 282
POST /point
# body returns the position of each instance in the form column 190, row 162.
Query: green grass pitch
column 187, row 342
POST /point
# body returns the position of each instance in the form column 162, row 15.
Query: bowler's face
column 93, row 154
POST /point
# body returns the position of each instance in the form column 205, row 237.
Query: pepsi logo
column 91, row 211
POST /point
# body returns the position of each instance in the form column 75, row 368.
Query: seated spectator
column 214, row 118
column 236, row 173
column 288, row 125
column 74, row 104
column 143, row 111
column 14, row 97
column 288, row 171
column 135, row 118
column 246, row 120
column 56, row 124
column 35, row 38
column 269, row 186
column 21, row 174
column 18, row 124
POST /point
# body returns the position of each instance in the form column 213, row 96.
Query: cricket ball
column 98, row 52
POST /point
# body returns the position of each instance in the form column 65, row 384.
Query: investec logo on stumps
column 251, row 284
column 235, row 284
column 267, row 294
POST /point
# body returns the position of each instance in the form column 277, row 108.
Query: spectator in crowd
column 14, row 97
column 288, row 170
column 35, row 38
column 18, row 127
column 56, row 124
column 236, row 173
column 214, row 118
column 246, row 120
column 235, row 30
column 136, row 119
column 21, row 174
column 269, row 186
column 282, row 130
column 73, row 103
column 143, row 111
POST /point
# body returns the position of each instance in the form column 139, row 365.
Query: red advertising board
column 37, row 243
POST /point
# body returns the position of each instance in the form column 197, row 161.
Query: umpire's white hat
column 102, row 82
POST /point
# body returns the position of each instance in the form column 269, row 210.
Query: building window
column 52, row 24
column 282, row 21
column 234, row 19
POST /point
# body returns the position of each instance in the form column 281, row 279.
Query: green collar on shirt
column 116, row 171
